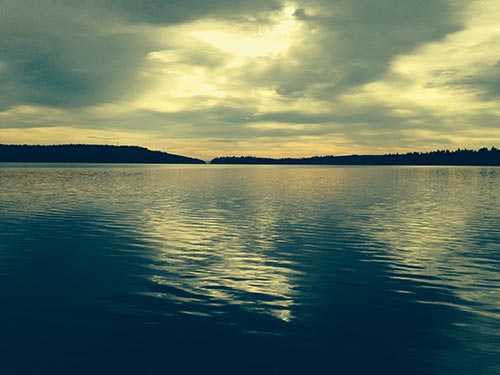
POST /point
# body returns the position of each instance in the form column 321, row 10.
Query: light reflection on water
column 391, row 269
column 446, row 227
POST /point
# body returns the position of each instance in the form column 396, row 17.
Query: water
column 249, row 270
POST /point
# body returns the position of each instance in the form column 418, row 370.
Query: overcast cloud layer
column 264, row 77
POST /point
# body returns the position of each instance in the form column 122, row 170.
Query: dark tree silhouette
column 89, row 154
column 482, row 156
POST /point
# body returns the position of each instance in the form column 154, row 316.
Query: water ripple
column 362, row 260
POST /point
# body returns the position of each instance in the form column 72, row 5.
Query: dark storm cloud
column 55, row 55
column 68, row 73
column 179, row 11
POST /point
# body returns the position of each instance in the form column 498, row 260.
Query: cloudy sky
column 263, row 77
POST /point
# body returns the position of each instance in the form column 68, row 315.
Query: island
column 84, row 153
column 481, row 157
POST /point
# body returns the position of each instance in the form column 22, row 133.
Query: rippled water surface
column 249, row 270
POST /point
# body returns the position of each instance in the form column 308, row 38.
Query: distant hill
column 482, row 156
column 89, row 154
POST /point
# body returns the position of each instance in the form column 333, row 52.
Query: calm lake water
column 249, row 270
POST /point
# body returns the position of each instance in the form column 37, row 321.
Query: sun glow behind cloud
column 242, row 43
column 183, row 84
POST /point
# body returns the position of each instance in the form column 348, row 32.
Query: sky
column 263, row 77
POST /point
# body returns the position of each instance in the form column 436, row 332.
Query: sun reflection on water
column 216, row 257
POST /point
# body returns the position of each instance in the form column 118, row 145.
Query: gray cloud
column 348, row 43
column 179, row 11
column 71, row 56
column 486, row 82
column 61, row 56
column 75, row 54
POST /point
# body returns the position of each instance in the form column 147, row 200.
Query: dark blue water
column 249, row 270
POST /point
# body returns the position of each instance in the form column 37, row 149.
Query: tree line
column 483, row 156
